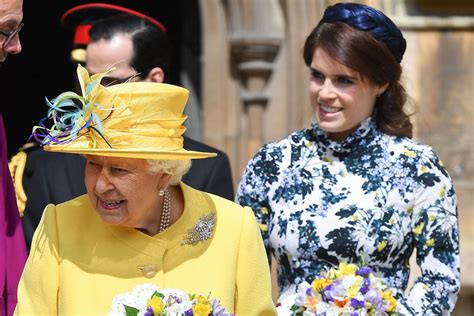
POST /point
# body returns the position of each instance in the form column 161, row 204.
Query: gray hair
column 175, row 168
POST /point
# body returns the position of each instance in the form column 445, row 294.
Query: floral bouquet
column 149, row 300
column 347, row 290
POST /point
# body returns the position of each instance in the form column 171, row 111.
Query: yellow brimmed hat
column 130, row 120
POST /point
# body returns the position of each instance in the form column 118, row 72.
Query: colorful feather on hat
column 73, row 115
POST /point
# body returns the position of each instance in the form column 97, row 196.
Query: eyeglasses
column 10, row 35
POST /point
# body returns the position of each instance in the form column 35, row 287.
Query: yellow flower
column 409, row 153
column 419, row 228
column 432, row 218
column 319, row 284
column 263, row 227
column 264, row 210
column 353, row 291
column 202, row 307
column 333, row 274
column 426, row 287
column 327, row 159
column 309, row 143
column 392, row 303
column 410, row 209
column 156, row 303
column 429, row 242
column 442, row 192
column 347, row 269
column 355, row 217
column 424, row 169
column 381, row 245
column 391, row 221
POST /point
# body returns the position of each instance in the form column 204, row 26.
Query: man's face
column 116, row 52
column 11, row 15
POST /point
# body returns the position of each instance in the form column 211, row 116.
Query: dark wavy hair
column 374, row 60
column 151, row 47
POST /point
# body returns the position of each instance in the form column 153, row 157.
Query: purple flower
column 217, row 309
column 327, row 293
column 373, row 296
column 357, row 304
column 189, row 312
column 364, row 271
column 354, row 314
column 308, row 291
column 365, row 286
column 337, row 290
column 149, row 312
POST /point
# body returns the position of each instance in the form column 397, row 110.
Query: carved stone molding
column 256, row 31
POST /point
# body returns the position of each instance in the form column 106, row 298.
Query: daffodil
column 319, row 284
column 156, row 304
column 392, row 302
column 202, row 307
column 347, row 268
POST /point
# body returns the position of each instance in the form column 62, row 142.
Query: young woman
column 354, row 186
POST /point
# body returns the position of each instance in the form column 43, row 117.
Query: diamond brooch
column 201, row 231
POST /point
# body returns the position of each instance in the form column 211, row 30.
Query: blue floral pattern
column 372, row 197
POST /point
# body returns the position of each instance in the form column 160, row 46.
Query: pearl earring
column 161, row 192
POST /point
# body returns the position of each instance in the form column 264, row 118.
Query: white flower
column 179, row 309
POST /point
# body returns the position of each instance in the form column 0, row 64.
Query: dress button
column 148, row 270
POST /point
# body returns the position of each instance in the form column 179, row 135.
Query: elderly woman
column 138, row 223
column 354, row 187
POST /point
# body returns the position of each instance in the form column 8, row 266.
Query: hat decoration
column 74, row 115
column 130, row 120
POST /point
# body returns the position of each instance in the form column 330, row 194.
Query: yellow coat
column 78, row 263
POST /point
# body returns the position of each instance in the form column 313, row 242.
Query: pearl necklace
column 165, row 211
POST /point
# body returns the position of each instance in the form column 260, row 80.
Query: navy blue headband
column 370, row 20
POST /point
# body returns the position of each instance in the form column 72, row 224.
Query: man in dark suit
column 137, row 46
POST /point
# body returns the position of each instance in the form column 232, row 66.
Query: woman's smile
column 110, row 204
column 328, row 109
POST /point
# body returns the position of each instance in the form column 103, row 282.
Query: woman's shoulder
column 410, row 147
column 72, row 211
column 225, row 209
column 276, row 149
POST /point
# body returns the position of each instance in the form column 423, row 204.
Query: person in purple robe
column 12, row 243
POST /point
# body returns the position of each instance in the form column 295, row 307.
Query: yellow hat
column 130, row 120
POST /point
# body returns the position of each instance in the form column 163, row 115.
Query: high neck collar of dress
column 366, row 126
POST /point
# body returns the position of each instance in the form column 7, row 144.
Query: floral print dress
column 372, row 197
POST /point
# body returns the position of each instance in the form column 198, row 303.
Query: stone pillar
column 255, row 35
